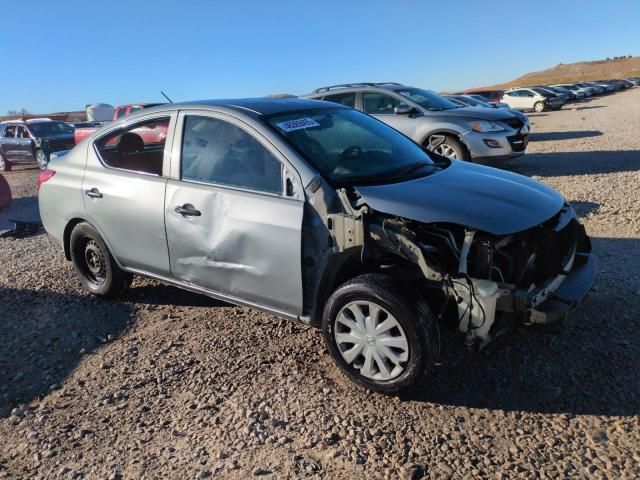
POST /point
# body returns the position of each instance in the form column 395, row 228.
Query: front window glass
column 471, row 101
column 215, row 151
column 139, row 148
column 426, row 99
column 349, row 147
column 43, row 129
column 379, row 103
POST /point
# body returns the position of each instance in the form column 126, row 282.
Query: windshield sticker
column 291, row 125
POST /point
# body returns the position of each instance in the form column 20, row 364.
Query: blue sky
column 61, row 55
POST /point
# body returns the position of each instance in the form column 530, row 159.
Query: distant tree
column 23, row 111
column 608, row 58
column 12, row 112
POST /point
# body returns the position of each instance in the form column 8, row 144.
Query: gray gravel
column 167, row 384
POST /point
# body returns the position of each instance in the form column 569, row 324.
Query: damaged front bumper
column 568, row 295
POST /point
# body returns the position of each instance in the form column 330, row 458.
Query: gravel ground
column 168, row 384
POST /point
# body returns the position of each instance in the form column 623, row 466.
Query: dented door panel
column 243, row 244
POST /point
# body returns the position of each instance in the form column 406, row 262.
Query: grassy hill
column 576, row 72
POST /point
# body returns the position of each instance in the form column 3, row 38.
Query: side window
column 121, row 112
column 216, row 151
column 139, row 148
column 22, row 132
column 348, row 99
column 135, row 109
column 379, row 103
column 10, row 132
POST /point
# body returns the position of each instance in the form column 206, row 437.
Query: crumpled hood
column 474, row 196
column 479, row 113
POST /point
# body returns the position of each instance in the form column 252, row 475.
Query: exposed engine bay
column 489, row 278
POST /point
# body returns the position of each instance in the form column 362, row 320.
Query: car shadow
column 594, row 106
column 21, row 208
column 556, row 164
column 155, row 293
column 44, row 337
column 549, row 136
column 583, row 208
column 589, row 369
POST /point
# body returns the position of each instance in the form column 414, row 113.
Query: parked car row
column 541, row 98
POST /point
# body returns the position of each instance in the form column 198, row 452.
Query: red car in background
column 120, row 111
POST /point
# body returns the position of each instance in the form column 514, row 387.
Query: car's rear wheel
column 539, row 107
column 5, row 165
column 381, row 337
column 448, row 146
column 94, row 264
column 41, row 159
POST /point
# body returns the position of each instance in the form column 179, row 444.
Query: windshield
column 427, row 99
column 474, row 102
column 542, row 91
column 347, row 146
column 42, row 129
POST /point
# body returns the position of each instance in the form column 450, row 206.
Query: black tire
column 411, row 312
column 5, row 165
column 94, row 264
column 451, row 143
column 41, row 159
column 538, row 107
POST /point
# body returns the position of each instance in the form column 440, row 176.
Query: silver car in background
column 318, row 213
column 474, row 134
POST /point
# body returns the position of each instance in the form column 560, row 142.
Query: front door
column 124, row 187
column 231, row 227
column 23, row 144
column 382, row 106
column 9, row 143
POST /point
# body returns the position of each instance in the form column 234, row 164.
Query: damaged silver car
column 321, row 214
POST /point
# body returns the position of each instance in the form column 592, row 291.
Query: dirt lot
column 167, row 384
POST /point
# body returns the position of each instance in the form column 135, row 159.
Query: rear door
column 124, row 188
column 232, row 228
column 381, row 106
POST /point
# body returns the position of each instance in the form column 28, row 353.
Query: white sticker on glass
column 291, row 125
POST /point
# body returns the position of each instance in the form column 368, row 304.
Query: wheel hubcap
column 371, row 340
column 94, row 259
column 446, row 151
column 41, row 158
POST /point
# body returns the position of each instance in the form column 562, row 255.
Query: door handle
column 187, row 210
column 93, row 193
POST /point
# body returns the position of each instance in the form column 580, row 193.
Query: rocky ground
column 166, row 384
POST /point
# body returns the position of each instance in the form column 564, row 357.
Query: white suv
column 531, row 99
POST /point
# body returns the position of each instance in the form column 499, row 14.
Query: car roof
column 252, row 106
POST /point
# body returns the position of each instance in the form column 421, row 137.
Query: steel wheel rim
column 95, row 262
column 446, row 151
column 371, row 340
column 538, row 107
column 41, row 159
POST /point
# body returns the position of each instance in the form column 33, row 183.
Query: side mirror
column 403, row 110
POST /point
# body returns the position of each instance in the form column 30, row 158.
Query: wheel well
column 354, row 266
column 447, row 133
column 67, row 235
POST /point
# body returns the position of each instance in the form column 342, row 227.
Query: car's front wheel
column 380, row 336
column 94, row 264
column 539, row 107
column 5, row 165
column 448, row 146
column 41, row 159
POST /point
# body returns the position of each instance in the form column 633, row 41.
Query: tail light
column 45, row 176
